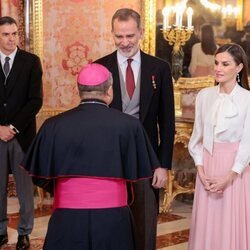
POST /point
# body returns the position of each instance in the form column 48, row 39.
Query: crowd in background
column 198, row 51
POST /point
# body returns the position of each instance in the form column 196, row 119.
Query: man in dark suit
column 152, row 101
column 20, row 101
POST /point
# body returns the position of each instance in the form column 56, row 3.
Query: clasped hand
column 216, row 184
column 6, row 133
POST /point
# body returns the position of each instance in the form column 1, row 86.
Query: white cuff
column 13, row 128
column 238, row 168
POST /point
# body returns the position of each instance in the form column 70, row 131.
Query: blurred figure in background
column 245, row 42
column 195, row 38
column 202, row 58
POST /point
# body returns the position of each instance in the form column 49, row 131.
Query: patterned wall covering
column 75, row 33
column 10, row 8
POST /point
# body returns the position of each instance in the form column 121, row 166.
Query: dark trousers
column 11, row 155
column 144, row 210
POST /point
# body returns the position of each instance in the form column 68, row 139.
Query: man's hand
column 159, row 178
column 6, row 133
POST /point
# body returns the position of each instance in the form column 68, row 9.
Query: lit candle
column 180, row 18
column 177, row 16
column 179, row 12
column 189, row 17
column 166, row 12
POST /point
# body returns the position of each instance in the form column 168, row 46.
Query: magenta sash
column 87, row 193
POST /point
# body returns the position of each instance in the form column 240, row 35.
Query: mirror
column 150, row 8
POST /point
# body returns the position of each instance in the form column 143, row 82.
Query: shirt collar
column 11, row 56
column 122, row 59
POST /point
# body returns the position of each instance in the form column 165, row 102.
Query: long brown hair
column 208, row 44
column 239, row 56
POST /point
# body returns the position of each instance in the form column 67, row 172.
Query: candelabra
column 177, row 35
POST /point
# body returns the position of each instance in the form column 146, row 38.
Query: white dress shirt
column 11, row 56
column 135, row 64
column 222, row 118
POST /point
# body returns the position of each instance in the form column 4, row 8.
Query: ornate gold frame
column 37, row 8
column 148, row 18
column 173, row 188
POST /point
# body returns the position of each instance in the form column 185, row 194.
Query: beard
column 128, row 51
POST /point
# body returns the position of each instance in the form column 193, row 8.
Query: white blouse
column 222, row 118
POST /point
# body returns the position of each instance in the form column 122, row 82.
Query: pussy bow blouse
column 222, row 118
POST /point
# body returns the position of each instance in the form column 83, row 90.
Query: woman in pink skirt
column 220, row 147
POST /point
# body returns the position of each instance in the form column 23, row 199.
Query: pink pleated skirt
column 221, row 221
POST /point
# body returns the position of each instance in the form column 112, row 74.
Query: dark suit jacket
column 156, row 104
column 21, row 96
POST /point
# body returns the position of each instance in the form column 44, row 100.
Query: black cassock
column 90, row 140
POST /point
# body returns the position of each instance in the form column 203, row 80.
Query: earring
column 238, row 78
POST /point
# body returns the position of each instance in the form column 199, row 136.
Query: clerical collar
column 94, row 101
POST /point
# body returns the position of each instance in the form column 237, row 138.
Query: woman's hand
column 203, row 177
column 218, row 185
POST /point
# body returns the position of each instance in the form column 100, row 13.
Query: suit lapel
column 2, row 87
column 113, row 67
column 146, row 86
column 14, row 72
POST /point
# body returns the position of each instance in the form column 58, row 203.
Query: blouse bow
column 218, row 119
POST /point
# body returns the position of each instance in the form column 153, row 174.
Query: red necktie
column 130, row 81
